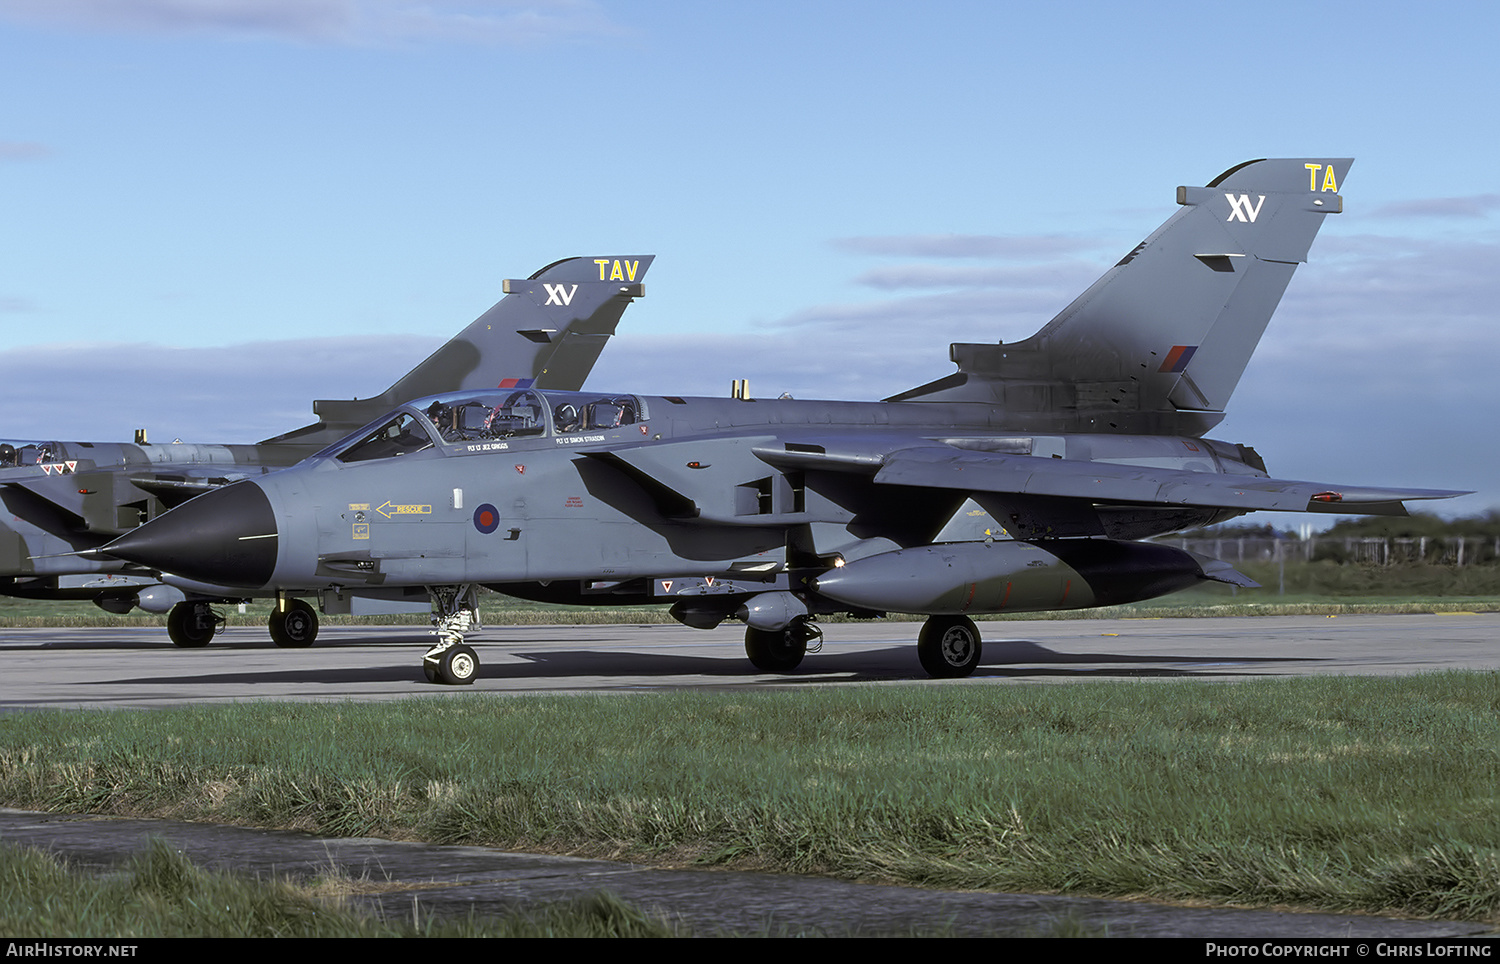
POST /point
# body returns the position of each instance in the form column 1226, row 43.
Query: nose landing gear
column 455, row 610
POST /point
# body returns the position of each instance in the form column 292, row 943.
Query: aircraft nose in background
column 226, row 537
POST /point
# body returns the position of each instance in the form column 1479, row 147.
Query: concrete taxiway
column 138, row 667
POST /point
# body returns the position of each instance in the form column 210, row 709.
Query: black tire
column 776, row 650
column 296, row 628
column 191, row 624
column 949, row 647
column 455, row 666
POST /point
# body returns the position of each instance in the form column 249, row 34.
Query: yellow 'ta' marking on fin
column 1330, row 180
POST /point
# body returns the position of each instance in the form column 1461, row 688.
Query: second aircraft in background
column 66, row 498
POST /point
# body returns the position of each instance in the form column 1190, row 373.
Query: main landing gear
column 455, row 610
column 293, row 624
column 949, row 646
column 781, row 650
column 193, row 624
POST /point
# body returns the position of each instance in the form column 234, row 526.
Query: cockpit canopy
column 489, row 417
column 17, row 453
column 473, row 418
column 402, row 435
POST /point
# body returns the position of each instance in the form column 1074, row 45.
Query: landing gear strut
column 455, row 610
column 193, row 624
column 293, row 624
column 949, row 646
column 781, row 650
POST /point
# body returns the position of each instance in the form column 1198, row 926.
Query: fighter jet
column 63, row 497
column 1076, row 443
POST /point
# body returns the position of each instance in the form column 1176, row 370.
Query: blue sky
column 213, row 211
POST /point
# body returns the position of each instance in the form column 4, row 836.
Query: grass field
column 1374, row 795
column 1371, row 795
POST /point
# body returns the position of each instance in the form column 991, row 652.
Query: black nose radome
column 226, row 537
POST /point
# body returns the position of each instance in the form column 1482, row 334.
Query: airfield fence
column 1365, row 550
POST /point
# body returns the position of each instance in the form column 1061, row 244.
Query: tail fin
column 1159, row 343
column 547, row 331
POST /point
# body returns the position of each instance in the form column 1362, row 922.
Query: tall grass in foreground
column 161, row 894
column 1339, row 793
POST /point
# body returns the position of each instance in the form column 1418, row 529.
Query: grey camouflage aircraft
column 1075, row 444
column 66, row 497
